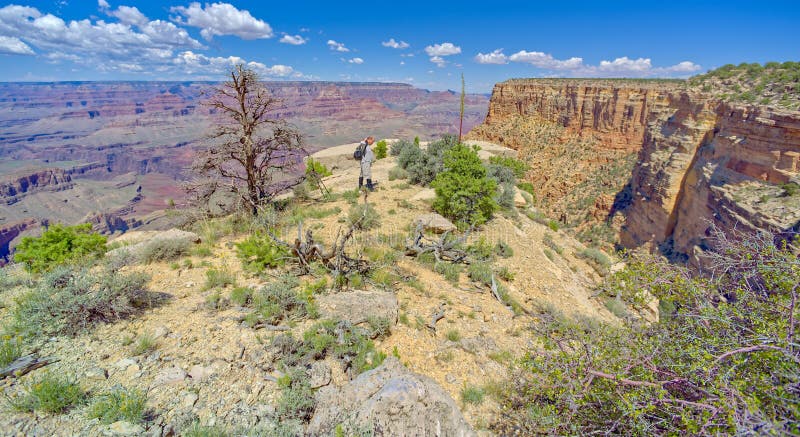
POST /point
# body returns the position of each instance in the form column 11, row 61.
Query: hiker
column 367, row 156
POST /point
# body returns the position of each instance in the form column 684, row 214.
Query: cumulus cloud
column 294, row 40
column 575, row 67
column 439, row 61
column 545, row 61
column 130, row 15
column 337, row 46
column 222, row 19
column 14, row 46
column 96, row 42
column 194, row 63
column 496, row 57
column 103, row 4
column 443, row 49
column 395, row 44
column 358, row 61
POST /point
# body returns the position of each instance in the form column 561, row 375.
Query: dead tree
column 442, row 249
column 251, row 155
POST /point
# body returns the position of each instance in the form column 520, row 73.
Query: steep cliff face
column 615, row 112
column 14, row 187
column 699, row 161
column 705, row 162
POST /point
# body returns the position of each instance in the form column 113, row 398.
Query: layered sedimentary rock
column 615, row 112
column 700, row 162
column 14, row 187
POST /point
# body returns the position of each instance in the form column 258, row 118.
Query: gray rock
column 319, row 374
column 433, row 222
column 357, row 306
column 125, row 363
column 171, row 375
column 189, row 399
column 199, row 373
column 123, row 428
column 391, row 399
column 96, row 373
column 160, row 332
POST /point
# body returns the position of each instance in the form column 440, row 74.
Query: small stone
column 96, row 373
column 450, row 379
column 125, row 363
column 189, row 285
column 160, row 332
column 172, row 375
column 319, row 374
column 124, row 428
column 199, row 373
column 189, row 400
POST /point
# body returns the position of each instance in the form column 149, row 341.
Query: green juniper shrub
column 464, row 193
column 119, row 403
column 69, row 299
column 59, row 244
column 48, row 393
column 517, row 167
column 719, row 361
column 260, row 252
column 380, row 149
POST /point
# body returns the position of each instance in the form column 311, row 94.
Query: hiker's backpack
column 360, row 150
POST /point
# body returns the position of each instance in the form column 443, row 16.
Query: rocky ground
column 208, row 367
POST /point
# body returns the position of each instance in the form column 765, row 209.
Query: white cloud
column 14, row 46
column 443, row 49
column 358, row 61
column 222, row 19
column 625, row 65
column 395, row 44
column 294, row 40
column 337, row 46
column 439, row 61
column 103, row 4
column 130, row 15
column 194, row 63
column 545, row 61
column 683, row 67
column 496, row 57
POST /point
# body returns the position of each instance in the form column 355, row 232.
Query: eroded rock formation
column 700, row 161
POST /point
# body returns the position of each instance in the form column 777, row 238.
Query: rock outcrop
column 700, row 161
column 389, row 401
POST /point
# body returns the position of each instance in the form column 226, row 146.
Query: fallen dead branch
column 442, row 249
column 24, row 365
column 437, row 315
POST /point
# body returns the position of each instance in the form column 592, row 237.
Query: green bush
column 397, row 173
column 380, row 149
column 280, row 300
column 596, row 257
column 70, row 299
column 450, row 271
column 719, row 361
column 59, row 244
column 48, row 393
column 517, row 167
column 260, row 252
column 398, row 147
column 118, row 404
column 241, row 296
column 464, row 193
column 480, row 272
column 472, row 395
column 423, row 166
column 10, row 349
column 218, row 279
column 364, row 216
column 526, row 187
column 317, row 168
column 165, row 250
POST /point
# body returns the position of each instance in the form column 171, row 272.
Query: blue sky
column 428, row 44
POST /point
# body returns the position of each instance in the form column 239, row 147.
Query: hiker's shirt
column 369, row 155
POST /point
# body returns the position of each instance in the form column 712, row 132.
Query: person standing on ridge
column 367, row 157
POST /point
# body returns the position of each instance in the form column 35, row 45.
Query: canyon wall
column 699, row 161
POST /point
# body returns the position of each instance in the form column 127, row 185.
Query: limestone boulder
column 434, row 222
column 390, row 400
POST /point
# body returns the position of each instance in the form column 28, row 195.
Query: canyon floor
column 208, row 367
